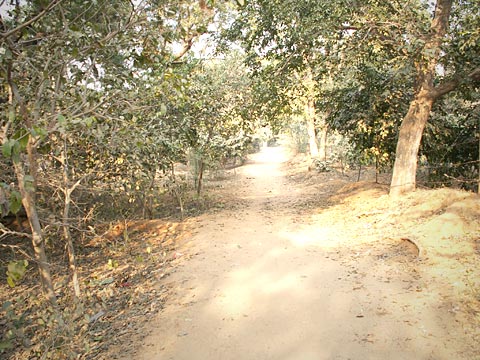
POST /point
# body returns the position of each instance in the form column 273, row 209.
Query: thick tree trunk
column 312, row 133
column 411, row 129
column 27, row 191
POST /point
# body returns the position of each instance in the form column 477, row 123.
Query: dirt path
column 271, row 282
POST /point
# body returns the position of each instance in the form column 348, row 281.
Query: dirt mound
column 438, row 221
column 358, row 194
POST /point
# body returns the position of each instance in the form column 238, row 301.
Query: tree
column 367, row 104
column 216, row 113
column 427, row 92
column 335, row 36
column 449, row 149
column 311, row 44
column 71, row 72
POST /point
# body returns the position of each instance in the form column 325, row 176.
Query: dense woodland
column 99, row 101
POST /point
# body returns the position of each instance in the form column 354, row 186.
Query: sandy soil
column 294, row 268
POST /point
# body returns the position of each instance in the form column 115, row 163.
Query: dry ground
column 300, row 265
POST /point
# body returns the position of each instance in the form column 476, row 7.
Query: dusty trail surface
column 270, row 279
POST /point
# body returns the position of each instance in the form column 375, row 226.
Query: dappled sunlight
column 445, row 225
column 245, row 285
column 302, row 306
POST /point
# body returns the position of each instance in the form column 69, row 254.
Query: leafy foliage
column 449, row 149
column 16, row 271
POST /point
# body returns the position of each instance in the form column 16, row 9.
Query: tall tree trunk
column 200, row 176
column 322, row 149
column 27, row 187
column 411, row 129
column 309, row 84
column 312, row 133
column 27, row 191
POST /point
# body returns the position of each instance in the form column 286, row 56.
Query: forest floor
column 302, row 265
column 286, row 264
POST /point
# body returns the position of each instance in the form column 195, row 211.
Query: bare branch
column 4, row 232
column 451, row 85
column 72, row 188
column 20, row 250
column 186, row 47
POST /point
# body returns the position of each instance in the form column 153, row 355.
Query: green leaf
column 6, row 305
column 7, row 148
column 8, row 54
column 7, row 344
column 163, row 109
column 22, row 136
column 61, row 120
column 16, row 271
column 38, row 131
column 89, row 121
column 107, row 281
column 28, row 182
column 11, row 116
column 15, row 202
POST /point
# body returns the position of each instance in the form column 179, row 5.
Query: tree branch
column 451, row 85
column 42, row 13
column 188, row 45
column 4, row 231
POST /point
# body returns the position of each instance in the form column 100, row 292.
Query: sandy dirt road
column 268, row 281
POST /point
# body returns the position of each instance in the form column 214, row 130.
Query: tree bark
column 67, row 190
column 322, row 149
column 28, row 193
column 200, row 176
column 411, row 129
column 309, row 113
column 28, row 200
column 70, row 249
column 312, row 133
